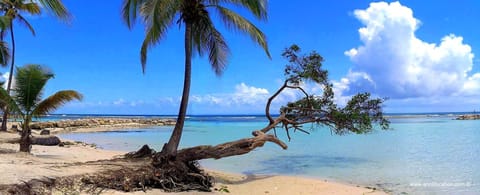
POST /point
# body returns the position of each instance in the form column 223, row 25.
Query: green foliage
column 14, row 10
column 304, row 68
column 27, row 95
column 358, row 116
column 159, row 15
column 56, row 7
column 4, row 50
column 27, row 102
column 30, row 81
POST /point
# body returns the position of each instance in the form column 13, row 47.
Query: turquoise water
column 421, row 155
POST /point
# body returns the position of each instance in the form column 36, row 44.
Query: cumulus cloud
column 244, row 99
column 392, row 61
column 243, row 95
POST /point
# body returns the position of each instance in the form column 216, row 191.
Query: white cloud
column 392, row 61
column 244, row 99
column 249, row 95
column 243, row 95
column 120, row 101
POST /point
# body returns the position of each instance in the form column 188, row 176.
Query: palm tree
column 27, row 102
column 13, row 10
column 200, row 33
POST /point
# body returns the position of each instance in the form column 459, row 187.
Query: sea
column 420, row 154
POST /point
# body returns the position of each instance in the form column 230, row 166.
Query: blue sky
column 418, row 53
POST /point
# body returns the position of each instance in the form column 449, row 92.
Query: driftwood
column 47, row 140
column 233, row 148
column 44, row 140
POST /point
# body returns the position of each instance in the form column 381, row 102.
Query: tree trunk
column 25, row 143
column 25, row 139
column 170, row 149
column 233, row 148
column 9, row 85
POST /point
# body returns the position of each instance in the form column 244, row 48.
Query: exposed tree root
column 171, row 177
column 155, row 170
column 125, row 175
column 144, row 151
column 34, row 186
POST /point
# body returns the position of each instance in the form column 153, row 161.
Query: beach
column 80, row 158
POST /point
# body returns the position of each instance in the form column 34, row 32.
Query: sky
column 419, row 54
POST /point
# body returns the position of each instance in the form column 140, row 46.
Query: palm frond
column 6, row 101
column 257, row 7
column 31, row 8
column 55, row 101
column 129, row 11
column 4, row 22
column 30, row 81
column 237, row 22
column 206, row 38
column 57, row 8
column 25, row 22
column 4, row 53
column 218, row 51
column 158, row 16
column 11, row 13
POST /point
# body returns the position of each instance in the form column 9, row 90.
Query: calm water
column 421, row 155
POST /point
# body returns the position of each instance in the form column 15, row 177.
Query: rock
column 35, row 126
column 469, row 117
column 46, row 140
column 61, row 124
column 45, row 132
column 47, row 125
column 95, row 122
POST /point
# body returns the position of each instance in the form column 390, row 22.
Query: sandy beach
column 78, row 159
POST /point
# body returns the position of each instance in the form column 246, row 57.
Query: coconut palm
column 27, row 102
column 200, row 34
column 13, row 10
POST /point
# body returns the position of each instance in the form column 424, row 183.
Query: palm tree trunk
column 9, row 85
column 25, row 139
column 172, row 146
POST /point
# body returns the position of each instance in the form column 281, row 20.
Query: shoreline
column 55, row 161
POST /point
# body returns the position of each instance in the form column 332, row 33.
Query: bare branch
column 270, row 100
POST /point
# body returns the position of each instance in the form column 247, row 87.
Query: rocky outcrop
column 100, row 122
column 469, row 117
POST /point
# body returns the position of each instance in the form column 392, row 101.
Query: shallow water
column 421, row 155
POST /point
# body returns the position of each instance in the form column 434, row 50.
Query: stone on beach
column 46, row 140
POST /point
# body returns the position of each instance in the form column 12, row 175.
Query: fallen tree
column 359, row 116
column 181, row 172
